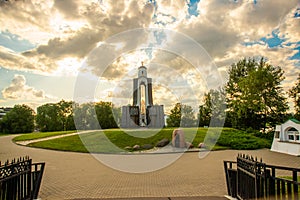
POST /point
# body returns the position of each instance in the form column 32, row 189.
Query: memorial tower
column 142, row 113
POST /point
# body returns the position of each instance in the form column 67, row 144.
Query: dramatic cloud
column 29, row 19
column 19, row 90
column 232, row 30
column 222, row 25
column 61, row 34
column 290, row 29
column 15, row 61
column 65, row 29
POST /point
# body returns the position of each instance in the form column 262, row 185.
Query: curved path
column 26, row 142
column 80, row 176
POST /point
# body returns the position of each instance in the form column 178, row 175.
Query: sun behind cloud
column 53, row 38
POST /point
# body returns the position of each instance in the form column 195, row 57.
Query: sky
column 90, row 50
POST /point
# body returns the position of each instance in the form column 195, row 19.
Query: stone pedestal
column 130, row 117
column 156, row 116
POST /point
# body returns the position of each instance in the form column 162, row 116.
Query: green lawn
column 290, row 178
column 38, row 135
column 100, row 141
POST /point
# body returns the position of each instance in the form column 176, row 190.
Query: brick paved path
column 80, row 176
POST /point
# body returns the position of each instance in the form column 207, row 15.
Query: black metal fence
column 248, row 178
column 20, row 179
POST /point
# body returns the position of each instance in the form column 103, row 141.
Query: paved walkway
column 80, row 176
column 26, row 142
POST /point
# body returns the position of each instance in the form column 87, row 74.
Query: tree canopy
column 212, row 111
column 55, row 116
column 255, row 97
column 18, row 120
column 181, row 115
column 294, row 93
column 96, row 115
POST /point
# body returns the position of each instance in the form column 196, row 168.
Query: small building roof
column 295, row 120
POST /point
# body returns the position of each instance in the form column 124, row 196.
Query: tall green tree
column 187, row 116
column 66, row 114
column 255, row 97
column 212, row 111
column 18, row 120
column 105, row 115
column 175, row 116
column 55, row 116
column 48, row 119
column 294, row 93
column 181, row 115
column 90, row 116
column 85, row 116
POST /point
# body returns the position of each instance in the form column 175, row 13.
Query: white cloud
column 16, row 61
column 66, row 31
column 61, row 32
column 222, row 27
column 19, row 90
column 291, row 28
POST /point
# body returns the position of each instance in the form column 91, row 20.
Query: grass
column 290, row 178
column 101, row 141
column 39, row 135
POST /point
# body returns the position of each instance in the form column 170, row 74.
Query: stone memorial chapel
column 142, row 113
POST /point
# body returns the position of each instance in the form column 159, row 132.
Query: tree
column 294, row 93
column 48, row 119
column 212, row 111
column 181, row 115
column 85, row 116
column 105, row 115
column 175, row 116
column 89, row 116
column 66, row 114
column 18, row 120
column 55, row 116
column 187, row 116
column 255, row 97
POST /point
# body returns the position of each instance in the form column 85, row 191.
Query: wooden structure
column 20, row 179
column 252, row 179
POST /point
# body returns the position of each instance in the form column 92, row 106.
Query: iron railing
column 248, row 178
column 20, row 179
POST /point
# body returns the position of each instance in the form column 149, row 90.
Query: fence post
column 272, row 182
column 28, row 176
column 257, row 179
column 295, row 180
column 37, row 178
column 227, row 178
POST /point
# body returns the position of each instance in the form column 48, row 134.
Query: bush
column 237, row 139
column 268, row 136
